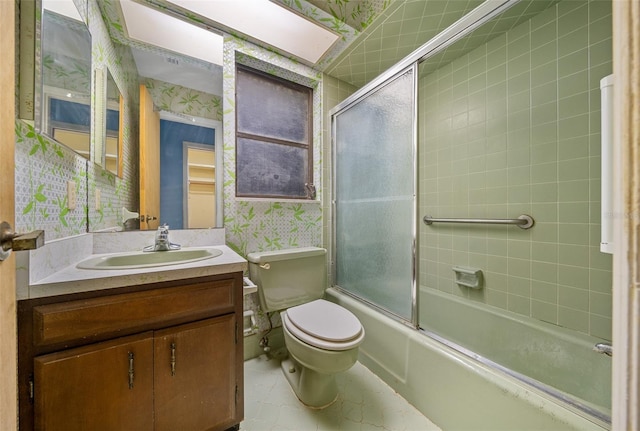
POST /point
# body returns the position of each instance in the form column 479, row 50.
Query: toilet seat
column 324, row 324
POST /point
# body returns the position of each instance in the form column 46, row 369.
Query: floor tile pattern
column 365, row 403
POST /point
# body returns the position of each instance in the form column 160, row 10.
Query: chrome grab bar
column 523, row 222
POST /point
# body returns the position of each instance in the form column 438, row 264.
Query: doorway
column 177, row 136
column 199, row 185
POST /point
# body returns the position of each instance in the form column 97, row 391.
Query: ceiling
column 375, row 34
column 521, row 12
column 399, row 30
column 173, row 69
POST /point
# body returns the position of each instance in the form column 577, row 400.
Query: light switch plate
column 98, row 200
column 71, row 195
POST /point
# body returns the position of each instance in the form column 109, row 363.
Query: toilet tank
column 289, row 277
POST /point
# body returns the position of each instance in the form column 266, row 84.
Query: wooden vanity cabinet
column 88, row 387
column 161, row 357
column 193, row 386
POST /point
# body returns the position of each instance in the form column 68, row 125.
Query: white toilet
column 322, row 338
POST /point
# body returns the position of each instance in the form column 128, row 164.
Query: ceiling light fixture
column 62, row 7
column 268, row 22
column 156, row 28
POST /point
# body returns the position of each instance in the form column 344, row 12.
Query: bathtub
column 459, row 391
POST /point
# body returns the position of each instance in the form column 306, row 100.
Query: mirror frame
column 100, row 119
column 117, row 105
column 104, row 84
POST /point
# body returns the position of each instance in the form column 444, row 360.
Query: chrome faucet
column 162, row 241
column 604, row 348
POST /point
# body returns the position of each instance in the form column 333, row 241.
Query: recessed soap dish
column 468, row 277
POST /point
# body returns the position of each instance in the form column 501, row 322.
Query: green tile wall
column 513, row 127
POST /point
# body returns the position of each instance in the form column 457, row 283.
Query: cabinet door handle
column 130, row 370
column 173, row 359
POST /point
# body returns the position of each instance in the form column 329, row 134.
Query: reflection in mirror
column 65, row 101
column 187, row 94
column 199, row 193
column 113, row 142
column 175, row 88
column 190, row 189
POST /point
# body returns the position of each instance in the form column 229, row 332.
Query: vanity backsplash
column 35, row 265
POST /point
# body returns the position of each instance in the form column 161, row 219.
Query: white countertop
column 70, row 279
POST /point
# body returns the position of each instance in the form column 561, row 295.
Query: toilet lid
column 325, row 320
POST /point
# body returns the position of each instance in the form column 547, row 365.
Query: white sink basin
column 139, row 259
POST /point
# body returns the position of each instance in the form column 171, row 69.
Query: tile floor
column 365, row 403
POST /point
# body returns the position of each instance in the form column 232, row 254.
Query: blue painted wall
column 79, row 114
column 172, row 136
column 70, row 112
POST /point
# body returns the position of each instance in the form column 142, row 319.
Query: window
column 273, row 137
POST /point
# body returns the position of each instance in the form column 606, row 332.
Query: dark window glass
column 273, row 136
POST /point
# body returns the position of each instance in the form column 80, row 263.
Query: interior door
column 102, row 387
column 194, row 376
column 149, row 162
column 8, row 339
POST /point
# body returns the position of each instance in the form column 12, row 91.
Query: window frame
column 241, row 68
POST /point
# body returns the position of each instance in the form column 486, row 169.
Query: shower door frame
column 459, row 29
column 413, row 318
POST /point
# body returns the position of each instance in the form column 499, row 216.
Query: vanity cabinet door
column 195, row 378
column 106, row 386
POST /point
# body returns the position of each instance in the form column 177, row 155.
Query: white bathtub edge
column 452, row 390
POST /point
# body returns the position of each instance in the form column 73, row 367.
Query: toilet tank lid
column 285, row 254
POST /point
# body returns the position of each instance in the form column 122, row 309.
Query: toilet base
column 313, row 389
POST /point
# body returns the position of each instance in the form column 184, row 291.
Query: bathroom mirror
column 183, row 89
column 189, row 181
column 186, row 96
column 63, row 105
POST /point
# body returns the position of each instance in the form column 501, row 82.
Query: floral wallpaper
column 70, row 71
column 43, row 168
column 355, row 13
column 181, row 100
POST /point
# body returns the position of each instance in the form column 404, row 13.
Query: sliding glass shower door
column 374, row 196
